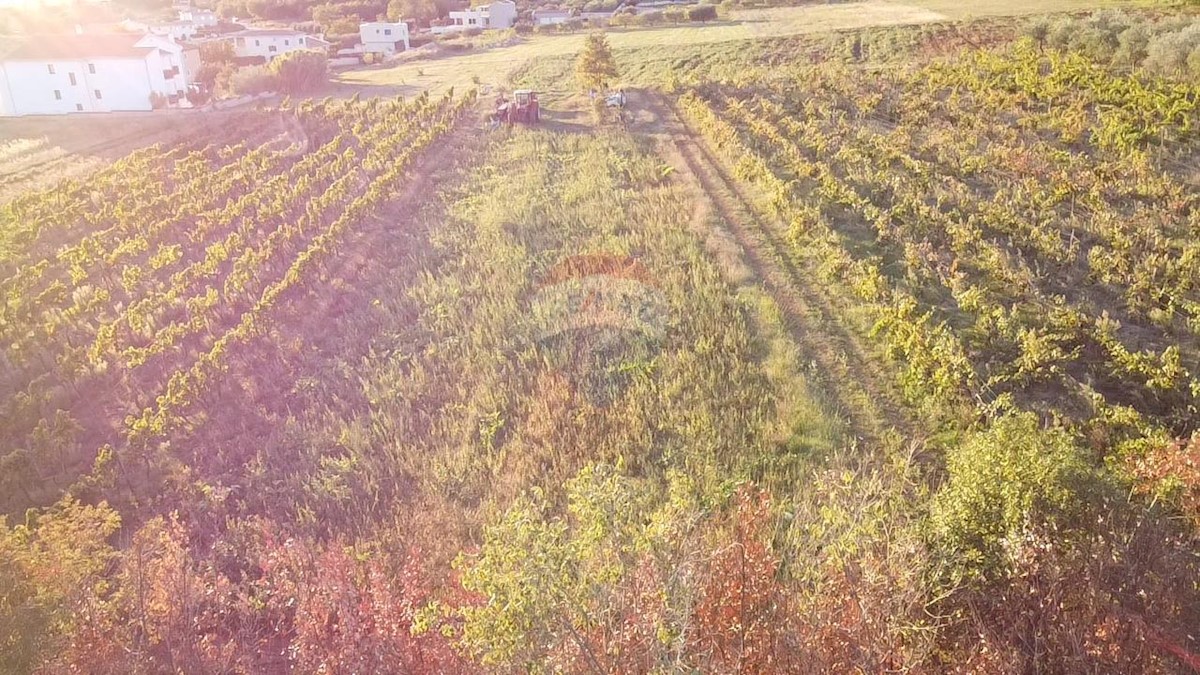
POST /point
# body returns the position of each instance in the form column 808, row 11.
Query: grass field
column 492, row 66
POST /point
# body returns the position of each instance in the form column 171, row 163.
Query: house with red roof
column 76, row 73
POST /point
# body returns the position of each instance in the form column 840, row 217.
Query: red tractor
column 523, row 108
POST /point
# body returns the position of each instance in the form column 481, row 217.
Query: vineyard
column 1014, row 232
column 1046, row 264
column 861, row 351
column 112, row 339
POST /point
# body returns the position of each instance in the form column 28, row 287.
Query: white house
column 178, row 31
column 383, row 38
column 550, row 17
column 497, row 14
column 658, row 5
column 205, row 18
column 59, row 74
column 271, row 42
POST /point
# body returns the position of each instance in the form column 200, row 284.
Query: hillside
column 840, row 348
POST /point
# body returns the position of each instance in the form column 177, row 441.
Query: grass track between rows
column 848, row 374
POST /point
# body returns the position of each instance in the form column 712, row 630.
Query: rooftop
column 266, row 32
column 74, row 46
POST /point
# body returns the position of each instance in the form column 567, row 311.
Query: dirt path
column 849, row 375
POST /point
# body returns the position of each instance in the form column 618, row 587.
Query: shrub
column 601, row 114
column 1001, row 482
column 702, row 13
column 653, row 18
column 49, row 566
column 624, row 586
column 1171, row 53
column 674, row 15
column 301, row 71
column 252, row 80
column 1170, row 473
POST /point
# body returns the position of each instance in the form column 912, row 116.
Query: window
column 98, row 96
column 257, row 43
column 57, row 95
column 168, row 73
column 241, row 42
column 286, row 43
column 78, row 107
column 92, row 68
column 387, row 31
column 72, row 76
column 272, row 49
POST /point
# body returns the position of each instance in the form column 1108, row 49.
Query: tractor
column 523, row 108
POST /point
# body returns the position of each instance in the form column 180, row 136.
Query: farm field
column 866, row 351
column 118, row 311
column 491, row 66
column 1024, row 269
column 36, row 153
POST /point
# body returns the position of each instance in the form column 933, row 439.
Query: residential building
column 550, row 17
column 179, row 31
column 497, row 14
column 61, row 74
column 271, row 42
column 383, row 38
column 205, row 18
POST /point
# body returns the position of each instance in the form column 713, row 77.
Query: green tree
column 595, row 66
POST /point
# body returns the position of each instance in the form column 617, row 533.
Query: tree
column 595, row 66
column 219, row 52
column 419, row 11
